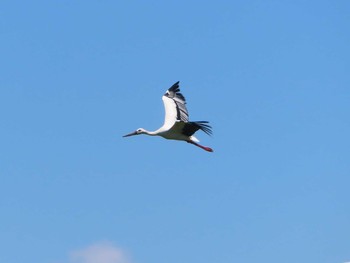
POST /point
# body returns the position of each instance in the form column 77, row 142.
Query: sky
column 271, row 77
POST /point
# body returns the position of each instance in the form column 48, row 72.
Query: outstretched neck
column 151, row 133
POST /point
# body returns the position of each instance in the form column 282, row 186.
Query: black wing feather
column 174, row 90
column 191, row 127
column 174, row 93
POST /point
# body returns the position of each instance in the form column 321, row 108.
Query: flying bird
column 176, row 124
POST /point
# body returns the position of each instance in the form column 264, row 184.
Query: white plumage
column 176, row 122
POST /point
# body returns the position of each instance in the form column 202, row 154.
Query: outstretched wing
column 191, row 127
column 175, row 106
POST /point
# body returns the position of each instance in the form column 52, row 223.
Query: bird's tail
column 194, row 139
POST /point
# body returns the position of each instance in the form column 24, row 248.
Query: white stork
column 176, row 124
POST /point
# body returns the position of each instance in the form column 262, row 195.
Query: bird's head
column 137, row 132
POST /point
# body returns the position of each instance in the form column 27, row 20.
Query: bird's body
column 176, row 123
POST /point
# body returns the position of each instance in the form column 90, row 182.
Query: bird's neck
column 151, row 133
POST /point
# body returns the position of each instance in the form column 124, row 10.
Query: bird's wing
column 175, row 106
column 190, row 128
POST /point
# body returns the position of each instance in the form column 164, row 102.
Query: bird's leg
column 208, row 149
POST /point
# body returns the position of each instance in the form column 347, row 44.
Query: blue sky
column 272, row 77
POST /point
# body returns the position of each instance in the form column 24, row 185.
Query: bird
column 176, row 123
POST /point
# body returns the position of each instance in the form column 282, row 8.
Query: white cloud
column 99, row 253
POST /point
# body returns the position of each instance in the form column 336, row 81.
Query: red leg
column 208, row 149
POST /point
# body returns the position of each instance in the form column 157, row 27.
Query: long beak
column 130, row 134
